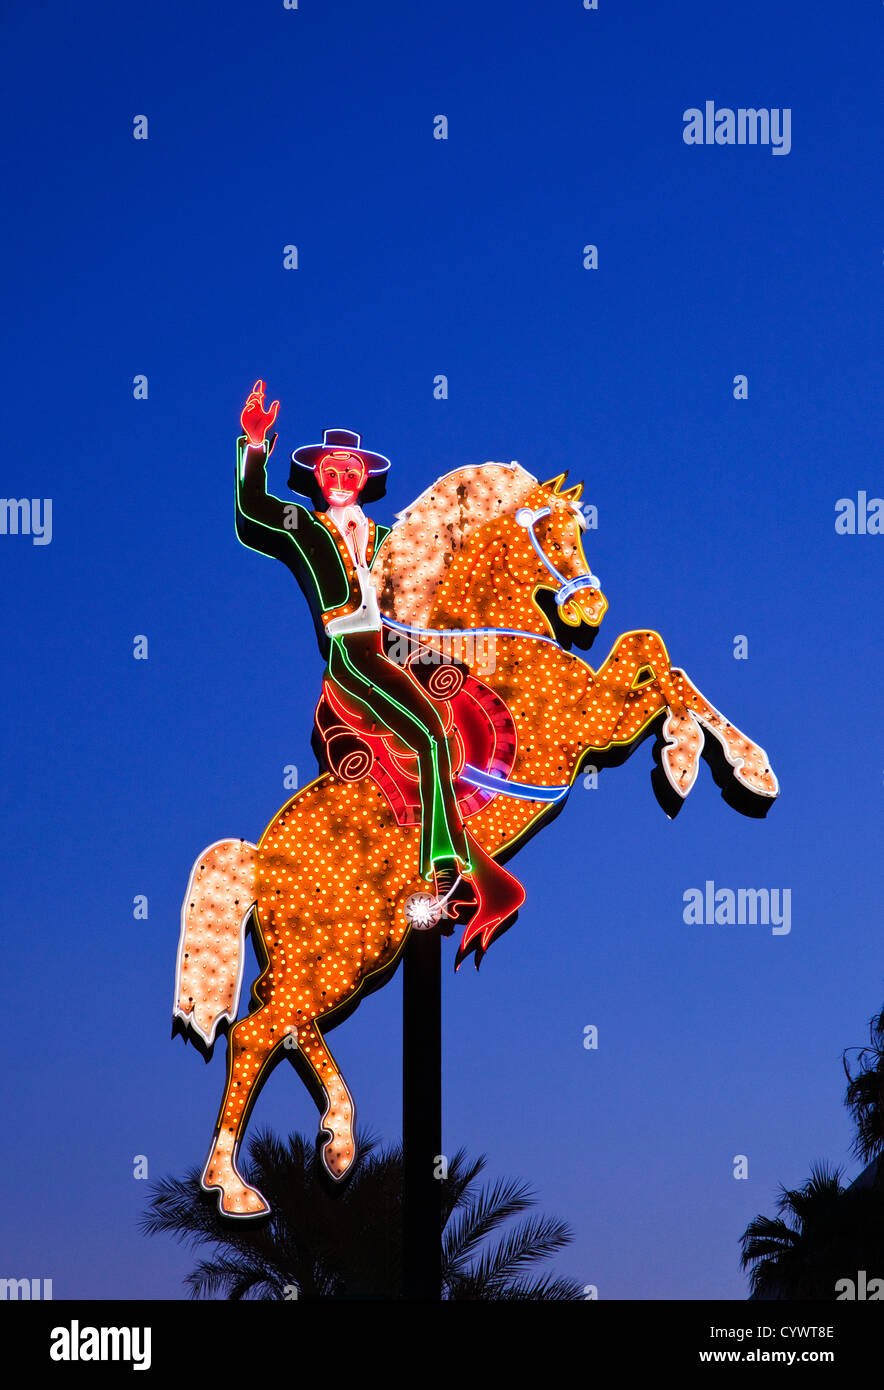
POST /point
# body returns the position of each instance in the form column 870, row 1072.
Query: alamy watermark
column 15, row 1289
column 27, row 517
column 477, row 650
column 76, row 1343
column 726, row 907
column 861, row 517
column 861, row 1289
column 747, row 125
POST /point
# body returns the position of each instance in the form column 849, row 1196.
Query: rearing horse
column 331, row 887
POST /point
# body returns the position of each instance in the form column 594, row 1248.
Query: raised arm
column 255, row 506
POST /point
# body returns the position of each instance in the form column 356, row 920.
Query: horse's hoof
column 239, row 1200
column 681, row 754
column 748, row 762
column 235, row 1197
column 245, row 1202
column 339, row 1151
column 751, row 767
column 337, row 1158
column 759, row 780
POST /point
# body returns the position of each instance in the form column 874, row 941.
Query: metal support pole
column 422, row 1115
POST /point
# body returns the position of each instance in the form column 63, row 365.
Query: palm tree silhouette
column 348, row 1244
column 865, row 1096
column 830, row 1233
column 788, row 1255
column 825, row 1232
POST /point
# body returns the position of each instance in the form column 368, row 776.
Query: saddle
column 481, row 730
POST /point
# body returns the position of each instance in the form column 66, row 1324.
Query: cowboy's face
column 341, row 477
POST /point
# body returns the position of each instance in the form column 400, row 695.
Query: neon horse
column 490, row 558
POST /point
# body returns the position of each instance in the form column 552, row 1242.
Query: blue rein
column 525, row 517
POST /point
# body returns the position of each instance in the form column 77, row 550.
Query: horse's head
column 549, row 554
column 474, row 549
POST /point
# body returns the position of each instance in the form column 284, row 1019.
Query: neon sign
column 336, row 881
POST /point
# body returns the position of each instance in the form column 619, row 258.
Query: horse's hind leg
column 251, row 1047
column 339, row 1116
column 251, row 1044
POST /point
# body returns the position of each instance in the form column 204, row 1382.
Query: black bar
column 422, row 1115
column 641, row 1335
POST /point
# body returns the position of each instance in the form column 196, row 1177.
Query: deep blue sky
column 464, row 257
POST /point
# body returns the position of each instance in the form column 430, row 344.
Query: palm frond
column 530, row 1242
column 544, row 1287
column 478, row 1218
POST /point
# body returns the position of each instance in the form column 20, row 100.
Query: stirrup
column 426, row 910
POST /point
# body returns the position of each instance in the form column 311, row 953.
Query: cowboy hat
column 304, row 460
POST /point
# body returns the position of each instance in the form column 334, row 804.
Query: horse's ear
column 554, row 484
column 573, row 494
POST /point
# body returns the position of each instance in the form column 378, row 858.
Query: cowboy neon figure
column 331, row 553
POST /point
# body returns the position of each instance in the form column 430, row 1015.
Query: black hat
column 304, row 460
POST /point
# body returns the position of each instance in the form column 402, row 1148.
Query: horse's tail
column 219, row 900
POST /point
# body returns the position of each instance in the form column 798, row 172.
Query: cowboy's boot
column 498, row 895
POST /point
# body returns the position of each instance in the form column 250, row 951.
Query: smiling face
column 341, row 477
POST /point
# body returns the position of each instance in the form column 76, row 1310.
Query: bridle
column 567, row 587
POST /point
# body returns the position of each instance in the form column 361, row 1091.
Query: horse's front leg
column 747, row 760
column 638, row 681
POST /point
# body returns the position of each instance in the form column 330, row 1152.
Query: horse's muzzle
column 585, row 606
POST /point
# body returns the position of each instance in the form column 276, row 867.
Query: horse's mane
column 428, row 534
